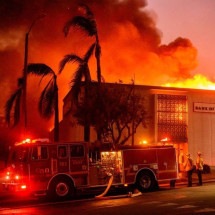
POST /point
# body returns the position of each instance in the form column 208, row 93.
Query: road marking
column 188, row 206
column 152, row 202
column 169, row 204
column 205, row 210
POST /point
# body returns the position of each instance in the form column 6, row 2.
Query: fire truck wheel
column 61, row 189
column 145, row 181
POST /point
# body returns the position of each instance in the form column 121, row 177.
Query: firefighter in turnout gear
column 188, row 166
column 199, row 167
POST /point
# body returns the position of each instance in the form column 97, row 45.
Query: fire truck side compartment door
column 79, row 167
column 63, row 158
column 167, row 165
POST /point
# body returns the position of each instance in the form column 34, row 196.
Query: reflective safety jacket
column 199, row 163
column 188, row 165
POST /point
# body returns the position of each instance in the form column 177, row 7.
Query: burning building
column 183, row 117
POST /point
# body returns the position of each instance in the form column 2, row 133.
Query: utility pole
column 25, row 70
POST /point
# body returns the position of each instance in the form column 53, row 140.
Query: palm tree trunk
column 86, row 126
column 86, row 133
column 56, row 116
column 98, row 54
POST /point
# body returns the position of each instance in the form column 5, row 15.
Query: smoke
column 130, row 42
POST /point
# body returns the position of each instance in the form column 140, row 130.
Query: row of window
column 42, row 152
column 172, row 117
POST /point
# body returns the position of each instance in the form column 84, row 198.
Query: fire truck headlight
column 17, row 177
column 23, row 186
column 7, row 177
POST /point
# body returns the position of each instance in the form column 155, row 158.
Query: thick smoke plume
column 130, row 42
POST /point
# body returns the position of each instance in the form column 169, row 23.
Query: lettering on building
column 204, row 107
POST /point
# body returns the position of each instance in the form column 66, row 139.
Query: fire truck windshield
column 19, row 154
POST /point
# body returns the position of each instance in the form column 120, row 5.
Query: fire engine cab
column 60, row 169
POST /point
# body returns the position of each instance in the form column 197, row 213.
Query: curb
column 183, row 182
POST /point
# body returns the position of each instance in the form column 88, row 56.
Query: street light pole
column 25, row 81
column 25, row 70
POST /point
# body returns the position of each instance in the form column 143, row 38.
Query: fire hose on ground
column 103, row 195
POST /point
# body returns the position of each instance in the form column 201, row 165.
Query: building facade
column 178, row 116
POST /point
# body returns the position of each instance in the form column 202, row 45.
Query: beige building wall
column 200, row 125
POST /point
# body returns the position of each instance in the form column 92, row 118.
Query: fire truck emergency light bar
column 29, row 141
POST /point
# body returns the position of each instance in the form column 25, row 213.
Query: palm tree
column 87, row 22
column 81, row 72
column 48, row 102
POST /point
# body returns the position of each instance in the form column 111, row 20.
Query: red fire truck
column 60, row 169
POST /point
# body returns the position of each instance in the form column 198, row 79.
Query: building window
column 172, row 117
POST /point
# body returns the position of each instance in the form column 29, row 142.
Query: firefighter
column 188, row 166
column 199, row 167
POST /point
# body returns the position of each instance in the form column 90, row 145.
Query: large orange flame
column 197, row 82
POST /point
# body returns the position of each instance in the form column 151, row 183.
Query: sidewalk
column 206, row 178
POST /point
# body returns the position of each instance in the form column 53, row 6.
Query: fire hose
column 107, row 188
column 102, row 195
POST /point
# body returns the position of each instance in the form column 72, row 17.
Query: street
column 180, row 200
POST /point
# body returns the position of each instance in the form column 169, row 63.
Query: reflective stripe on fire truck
column 132, row 170
column 166, row 171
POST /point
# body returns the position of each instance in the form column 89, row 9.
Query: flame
column 197, row 82
column 131, row 50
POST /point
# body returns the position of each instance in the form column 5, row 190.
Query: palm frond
column 13, row 102
column 17, row 108
column 69, row 58
column 39, row 69
column 88, row 25
column 82, row 71
column 79, row 74
column 47, row 100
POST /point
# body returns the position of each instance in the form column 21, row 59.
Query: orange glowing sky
column 153, row 42
column 190, row 19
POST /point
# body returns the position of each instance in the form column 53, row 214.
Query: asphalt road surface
column 182, row 200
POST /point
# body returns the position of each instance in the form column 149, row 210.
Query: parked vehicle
column 58, row 170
